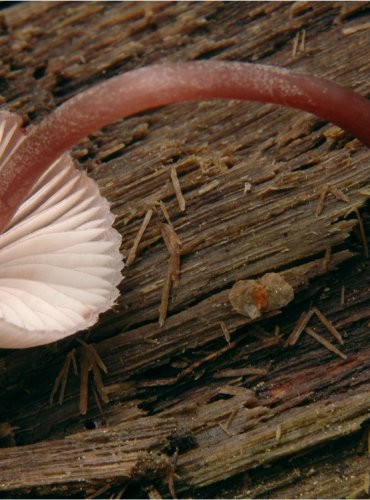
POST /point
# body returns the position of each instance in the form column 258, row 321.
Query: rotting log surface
column 219, row 400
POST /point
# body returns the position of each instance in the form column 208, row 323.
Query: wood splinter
column 337, row 193
column 225, row 331
column 299, row 43
column 173, row 244
column 310, row 331
column 302, row 325
column 362, row 233
column 328, row 325
column 133, row 251
column 176, row 185
column 354, row 29
column 90, row 361
column 299, row 327
column 62, row 377
column 165, row 213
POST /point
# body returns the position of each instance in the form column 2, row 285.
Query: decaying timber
column 208, row 403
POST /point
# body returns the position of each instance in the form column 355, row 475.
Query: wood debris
column 165, row 212
column 209, row 357
column 295, row 45
column 363, row 489
column 367, row 482
column 100, row 491
column 6, row 430
column 327, row 258
column 301, row 326
column 278, row 432
column 277, row 331
column 62, row 377
column 157, row 382
column 105, row 154
column 208, row 187
column 84, row 383
column 354, row 29
column 176, row 185
column 321, row 203
column 170, row 478
column 133, row 251
column 342, row 295
column 173, row 244
column 364, row 192
column 328, row 325
column 153, row 493
column 337, row 193
column 225, row 331
column 91, row 361
column 225, row 429
column 260, row 333
column 362, row 233
column 236, row 390
column 310, row 331
column 97, row 402
column 240, row 372
column 302, row 47
column 231, row 417
column 299, row 43
column 120, row 492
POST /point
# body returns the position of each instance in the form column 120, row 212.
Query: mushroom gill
column 60, row 263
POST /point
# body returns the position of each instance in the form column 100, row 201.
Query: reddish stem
column 158, row 85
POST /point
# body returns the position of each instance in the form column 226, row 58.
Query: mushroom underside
column 60, row 263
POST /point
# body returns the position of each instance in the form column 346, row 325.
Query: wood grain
column 266, row 189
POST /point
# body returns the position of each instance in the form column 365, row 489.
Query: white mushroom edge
column 60, row 263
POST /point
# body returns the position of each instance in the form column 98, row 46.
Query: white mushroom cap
column 60, row 263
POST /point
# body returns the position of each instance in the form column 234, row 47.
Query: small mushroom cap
column 60, row 263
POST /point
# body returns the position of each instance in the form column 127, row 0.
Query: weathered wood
column 296, row 430
column 126, row 451
column 265, row 189
column 341, row 477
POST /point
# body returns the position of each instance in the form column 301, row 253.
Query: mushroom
column 59, row 255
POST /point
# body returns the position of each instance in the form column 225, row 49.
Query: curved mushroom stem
column 158, row 85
